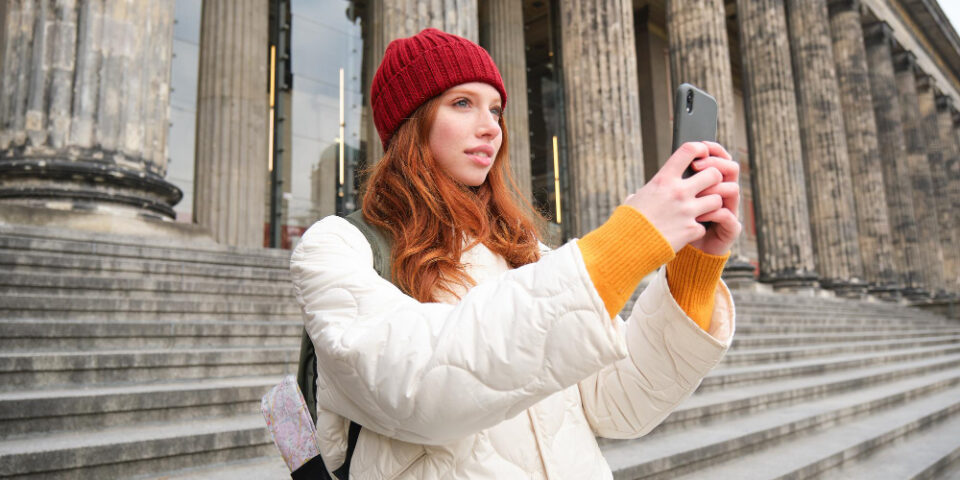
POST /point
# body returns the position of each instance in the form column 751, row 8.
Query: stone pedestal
column 602, row 108
column 924, row 203
column 388, row 20
column 896, row 173
column 231, row 161
column 700, row 55
column 832, row 213
column 504, row 38
column 84, row 101
column 783, row 222
column 856, row 99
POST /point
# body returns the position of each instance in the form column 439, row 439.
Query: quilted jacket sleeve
column 432, row 373
column 668, row 357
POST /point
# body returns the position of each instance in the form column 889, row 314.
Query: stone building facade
column 842, row 113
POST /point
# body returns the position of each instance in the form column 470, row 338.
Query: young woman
column 487, row 356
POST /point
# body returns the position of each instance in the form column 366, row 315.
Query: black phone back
column 694, row 118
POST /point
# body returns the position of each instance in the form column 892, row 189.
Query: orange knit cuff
column 693, row 277
column 619, row 253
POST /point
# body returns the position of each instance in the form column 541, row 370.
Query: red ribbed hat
column 420, row 67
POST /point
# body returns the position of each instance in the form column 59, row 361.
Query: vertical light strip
column 273, row 85
column 556, row 176
column 341, row 127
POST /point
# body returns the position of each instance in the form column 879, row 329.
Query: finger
column 717, row 150
column 729, row 168
column 707, row 204
column 730, row 192
column 680, row 160
column 700, row 181
column 725, row 224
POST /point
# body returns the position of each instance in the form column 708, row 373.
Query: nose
column 488, row 126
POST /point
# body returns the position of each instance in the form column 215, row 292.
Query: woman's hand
column 675, row 205
column 725, row 227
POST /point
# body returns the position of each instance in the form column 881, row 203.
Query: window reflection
column 323, row 41
column 183, row 103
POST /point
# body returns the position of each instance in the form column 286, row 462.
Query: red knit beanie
column 420, row 67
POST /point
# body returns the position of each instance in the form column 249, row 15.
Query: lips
column 481, row 155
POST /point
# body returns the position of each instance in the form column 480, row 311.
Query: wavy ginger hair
column 429, row 215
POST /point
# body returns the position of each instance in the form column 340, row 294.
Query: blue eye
column 497, row 111
column 462, row 101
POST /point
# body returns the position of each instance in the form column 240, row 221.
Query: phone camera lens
column 690, row 101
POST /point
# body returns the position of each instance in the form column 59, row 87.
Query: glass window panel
column 183, row 103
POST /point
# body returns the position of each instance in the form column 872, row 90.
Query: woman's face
column 466, row 136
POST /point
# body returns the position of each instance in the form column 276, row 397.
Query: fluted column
column 856, row 100
column 231, row 160
column 700, row 55
column 84, row 101
column 783, row 222
column 506, row 42
column 951, row 177
column 896, row 171
column 924, row 205
column 388, row 20
column 940, row 194
column 832, row 214
column 602, row 107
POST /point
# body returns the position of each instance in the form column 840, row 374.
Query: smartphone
column 694, row 118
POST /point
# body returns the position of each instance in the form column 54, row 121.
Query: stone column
column 84, row 102
column 504, row 38
column 783, row 222
column 924, row 204
column 940, row 194
column 896, row 173
column 387, row 20
column 951, row 177
column 873, row 224
column 231, row 160
column 602, row 108
column 700, row 55
column 832, row 213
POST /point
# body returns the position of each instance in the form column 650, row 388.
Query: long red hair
column 429, row 215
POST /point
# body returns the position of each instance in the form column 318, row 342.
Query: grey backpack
column 380, row 245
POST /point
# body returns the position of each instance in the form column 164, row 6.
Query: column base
column 86, row 180
column 739, row 274
column 794, row 281
column 852, row 289
column 917, row 295
column 888, row 293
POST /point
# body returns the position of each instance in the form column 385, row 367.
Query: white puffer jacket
column 515, row 380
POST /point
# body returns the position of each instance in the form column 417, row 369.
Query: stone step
column 37, row 370
column 140, row 287
column 727, row 377
column 827, row 319
column 141, row 248
column 58, row 336
column 746, row 340
column 785, row 329
column 940, row 450
column 810, row 453
column 39, row 413
column 40, row 306
column 91, row 265
column 754, row 356
column 711, row 406
column 682, row 451
column 128, row 450
column 268, row 467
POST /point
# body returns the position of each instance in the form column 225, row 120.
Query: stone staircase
column 127, row 357
column 133, row 358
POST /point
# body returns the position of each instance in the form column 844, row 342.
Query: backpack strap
column 380, row 246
